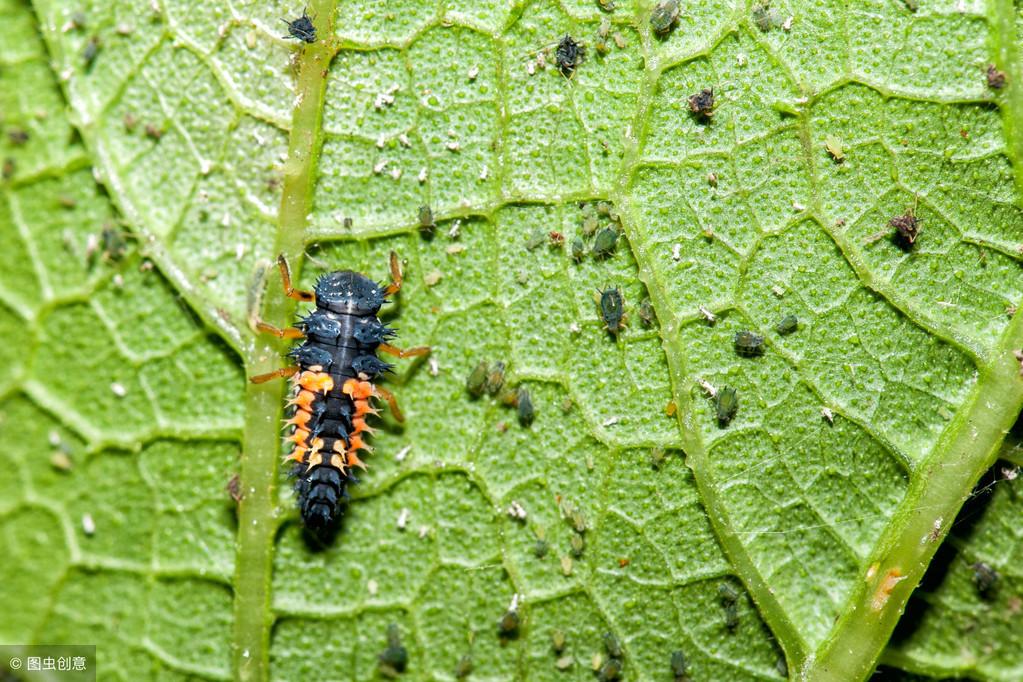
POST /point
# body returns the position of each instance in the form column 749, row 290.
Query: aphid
column 787, row 325
column 657, row 457
column 301, row 29
column 613, row 646
column 464, row 667
column 664, row 16
column 985, row 578
column 995, row 78
column 834, row 147
column 606, row 5
column 152, row 132
column 426, row 222
column 763, row 17
column 536, row 238
column 748, row 344
column 477, row 379
column 578, row 545
column 678, row 666
column 727, row 404
column 7, row 171
column 605, row 242
column 646, row 313
column 508, row 626
column 394, row 659
column 729, row 599
column 90, row 52
column 524, row 403
column 701, row 105
column 611, row 670
column 569, row 55
column 603, row 31
column 334, row 373
column 907, row 228
column 495, row 379
column 612, row 310
column 578, row 249
column 558, row 641
column 17, row 136
column 540, row 548
column 556, row 238
column 114, row 245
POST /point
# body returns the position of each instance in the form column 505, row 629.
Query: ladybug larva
column 333, row 376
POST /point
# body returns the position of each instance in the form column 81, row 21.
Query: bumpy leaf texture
column 158, row 155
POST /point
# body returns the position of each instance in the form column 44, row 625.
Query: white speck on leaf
column 403, row 518
column 88, row 525
column 119, row 390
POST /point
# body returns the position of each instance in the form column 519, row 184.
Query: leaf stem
column 257, row 511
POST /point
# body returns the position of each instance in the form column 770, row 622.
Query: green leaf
column 218, row 145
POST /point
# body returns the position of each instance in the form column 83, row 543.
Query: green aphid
column 525, row 406
column 426, row 222
column 729, row 598
column 495, row 379
column 748, row 344
column 834, row 147
column 646, row 313
column 787, row 325
column 558, row 641
column 464, row 667
column 664, row 17
column 394, row 659
column 477, row 379
column 578, row 249
column 605, row 242
column 727, row 404
column 612, row 310
column 578, row 521
column 590, row 225
column 578, row 545
column 540, row 548
column 613, row 646
column 763, row 17
column 535, row 239
column 678, row 666
column 508, row 626
column 611, row 670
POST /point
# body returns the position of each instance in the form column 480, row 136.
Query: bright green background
column 135, row 368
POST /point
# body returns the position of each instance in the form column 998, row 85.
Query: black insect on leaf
column 701, row 105
column 907, row 229
column 301, row 29
column 569, row 55
column 612, row 310
column 748, row 344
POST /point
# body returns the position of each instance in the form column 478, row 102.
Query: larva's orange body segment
column 358, row 390
column 316, row 381
column 303, row 400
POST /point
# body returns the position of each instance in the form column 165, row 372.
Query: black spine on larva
column 342, row 337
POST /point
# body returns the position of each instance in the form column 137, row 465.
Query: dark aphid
column 477, row 379
column 426, row 222
column 569, row 55
column 748, row 344
column 612, row 310
column 90, row 52
column 578, row 545
column 153, row 132
column 495, row 379
column 729, row 598
column 334, row 375
column 464, row 667
column 613, row 646
column 678, row 666
column 763, row 17
column 907, row 228
column 301, row 29
column 787, row 325
column 985, row 578
column 701, row 105
column 7, row 172
column 114, row 244
column 578, row 249
column 524, row 404
column 558, row 641
column 611, row 670
column 995, row 78
column 394, row 659
column 646, row 313
column 17, row 136
column 508, row 626
column 727, row 404
column 605, row 242
column 540, row 548
column 664, row 17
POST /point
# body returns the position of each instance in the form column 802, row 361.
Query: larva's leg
column 391, row 402
column 290, row 291
column 407, row 353
column 282, row 372
column 287, row 333
column 396, row 276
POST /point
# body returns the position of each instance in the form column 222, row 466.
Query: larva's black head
column 348, row 292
